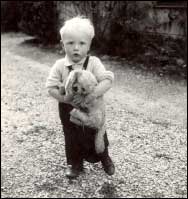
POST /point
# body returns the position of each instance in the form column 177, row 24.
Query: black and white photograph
column 93, row 99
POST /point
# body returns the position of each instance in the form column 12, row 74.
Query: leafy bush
column 40, row 19
column 10, row 15
column 120, row 26
column 129, row 38
column 127, row 26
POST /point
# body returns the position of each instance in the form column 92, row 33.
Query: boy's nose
column 76, row 47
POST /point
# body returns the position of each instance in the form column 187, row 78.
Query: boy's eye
column 82, row 43
column 70, row 42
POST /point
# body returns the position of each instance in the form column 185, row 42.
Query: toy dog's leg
column 83, row 117
column 99, row 140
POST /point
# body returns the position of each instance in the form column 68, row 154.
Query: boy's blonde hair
column 79, row 23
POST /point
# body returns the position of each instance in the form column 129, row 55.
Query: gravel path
column 146, row 121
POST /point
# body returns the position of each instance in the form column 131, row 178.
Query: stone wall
column 170, row 21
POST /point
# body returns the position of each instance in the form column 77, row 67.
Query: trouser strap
column 84, row 65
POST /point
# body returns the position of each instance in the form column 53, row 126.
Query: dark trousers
column 79, row 141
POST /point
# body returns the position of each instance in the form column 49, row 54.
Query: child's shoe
column 108, row 165
column 73, row 172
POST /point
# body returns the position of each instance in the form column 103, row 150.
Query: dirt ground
column 146, row 123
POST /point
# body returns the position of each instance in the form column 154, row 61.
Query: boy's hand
column 65, row 99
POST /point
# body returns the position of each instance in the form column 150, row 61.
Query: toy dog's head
column 80, row 82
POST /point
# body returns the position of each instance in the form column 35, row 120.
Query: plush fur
column 82, row 83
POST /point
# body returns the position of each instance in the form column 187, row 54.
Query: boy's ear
column 61, row 42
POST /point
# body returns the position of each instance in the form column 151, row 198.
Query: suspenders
column 70, row 68
column 84, row 65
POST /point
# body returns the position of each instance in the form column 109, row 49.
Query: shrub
column 10, row 15
column 40, row 19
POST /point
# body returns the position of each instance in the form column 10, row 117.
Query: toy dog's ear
column 71, row 80
column 69, row 83
column 62, row 90
column 77, row 76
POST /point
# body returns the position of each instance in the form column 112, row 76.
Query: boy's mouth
column 76, row 55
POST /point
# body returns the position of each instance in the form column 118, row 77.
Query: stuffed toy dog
column 82, row 83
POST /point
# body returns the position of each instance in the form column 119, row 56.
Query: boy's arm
column 54, row 82
column 54, row 92
column 100, row 89
column 105, row 79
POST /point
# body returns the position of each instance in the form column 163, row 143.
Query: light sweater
column 59, row 71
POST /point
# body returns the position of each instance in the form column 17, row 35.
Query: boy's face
column 76, row 45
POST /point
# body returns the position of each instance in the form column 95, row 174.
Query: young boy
column 77, row 34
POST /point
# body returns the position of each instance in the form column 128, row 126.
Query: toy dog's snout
column 75, row 88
